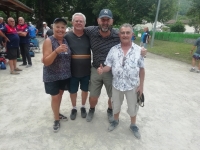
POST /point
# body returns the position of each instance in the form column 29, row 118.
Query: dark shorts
column 12, row 53
column 74, row 84
column 196, row 56
column 53, row 88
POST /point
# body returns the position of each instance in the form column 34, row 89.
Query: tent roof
column 14, row 5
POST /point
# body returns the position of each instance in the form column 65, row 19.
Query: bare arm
column 143, row 51
column 36, row 32
column 20, row 33
column 102, row 69
column 3, row 35
column 48, row 54
column 141, row 75
column 192, row 49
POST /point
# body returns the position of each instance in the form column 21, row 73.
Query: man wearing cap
column 45, row 29
column 57, row 68
column 102, row 39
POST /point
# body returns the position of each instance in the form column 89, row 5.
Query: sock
column 83, row 106
column 133, row 124
column 74, row 107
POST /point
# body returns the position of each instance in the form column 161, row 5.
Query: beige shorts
column 131, row 97
column 97, row 81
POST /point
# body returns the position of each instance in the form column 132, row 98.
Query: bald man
column 9, row 33
column 22, row 30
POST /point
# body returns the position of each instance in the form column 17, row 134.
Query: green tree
column 194, row 15
column 129, row 11
column 177, row 27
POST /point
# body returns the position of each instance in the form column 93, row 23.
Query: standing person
column 12, row 44
column 49, row 32
column 145, row 37
column 45, row 29
column 128, row 76
column 102, row 39
column 32, row 31
column 80, row 63
column 196, row 55
column 2, row 24
column 56, row 70
column 22, row 30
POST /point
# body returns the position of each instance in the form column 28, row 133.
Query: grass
column 169, row 49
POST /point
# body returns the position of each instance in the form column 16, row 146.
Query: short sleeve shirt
column 100, row 45
column 23, row 28
column 125, row 69
column 12, row 35
column 197, row 43
column 79, row 46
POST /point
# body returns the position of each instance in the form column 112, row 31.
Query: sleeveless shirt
column 60, row 68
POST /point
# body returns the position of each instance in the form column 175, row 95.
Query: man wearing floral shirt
column 128, row 76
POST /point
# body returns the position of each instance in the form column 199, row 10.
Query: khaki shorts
column 97, row 81
column 131, row 97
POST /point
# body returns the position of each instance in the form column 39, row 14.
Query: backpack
column 3, row 66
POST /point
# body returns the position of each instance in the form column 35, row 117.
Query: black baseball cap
column 60, row 20
column 105, row 13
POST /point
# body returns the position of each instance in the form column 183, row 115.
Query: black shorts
column 53, row 88
column 12, row 53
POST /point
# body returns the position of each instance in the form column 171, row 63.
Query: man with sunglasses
column 128, row 76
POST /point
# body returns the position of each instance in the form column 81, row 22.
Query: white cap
column 44, row 23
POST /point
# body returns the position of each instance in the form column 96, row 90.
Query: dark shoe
column 110, row 115
column 23, row 65
column 135, row 131
column 28, row 66
column 62, row 117
column 56, row 126
column 113, row 125
column 90, row 115
column 73, row 114
column 83, row 112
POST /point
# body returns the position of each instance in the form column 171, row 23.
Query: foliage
column 194, row 15
column 177, row 27
column 184, row 6
column 124, row 11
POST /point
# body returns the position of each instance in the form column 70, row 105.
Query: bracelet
column 56, row 52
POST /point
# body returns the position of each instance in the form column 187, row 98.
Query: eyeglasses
column 127, row 33
column 123, row 61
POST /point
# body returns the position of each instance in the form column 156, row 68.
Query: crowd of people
column 16, row 39
column 67, row 66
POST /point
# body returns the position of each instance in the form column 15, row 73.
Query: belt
column 81, row 56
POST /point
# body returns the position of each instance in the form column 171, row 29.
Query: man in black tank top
column 80, row 62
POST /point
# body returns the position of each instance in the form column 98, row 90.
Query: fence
column 176, row 36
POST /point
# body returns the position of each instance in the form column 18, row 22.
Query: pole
column 154, row 29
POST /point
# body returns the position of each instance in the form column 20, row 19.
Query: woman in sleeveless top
column 56, row 70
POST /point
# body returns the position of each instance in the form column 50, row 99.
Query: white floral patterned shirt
column 125, row 69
